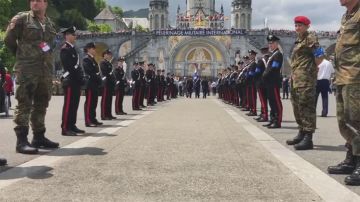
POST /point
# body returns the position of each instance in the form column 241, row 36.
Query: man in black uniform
column 72, row 80
column 158, row 85
column 162, row 85
column 189, row 87
column 136, row 81
column 272, row 78
column 149, row 84
column 108, row 86
column 260, row 85
column 143, row 83
column 120, row 85
column 251, row 83
column 205, row 86
column 197, row 83
column 92, row 71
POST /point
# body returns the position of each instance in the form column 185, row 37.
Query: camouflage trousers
column 33, row 93
column 348, row 112
column 304, row 106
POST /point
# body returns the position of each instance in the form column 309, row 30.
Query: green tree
column 118, row 11
column 5, row 13
column 103, row 28
column 140, row 28
column 72, row 18
column 100, row 4
column 5, row 55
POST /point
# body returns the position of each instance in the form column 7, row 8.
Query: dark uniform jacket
column 119, row 77
column 107, row 71
column 272, row 74
column 259, row 71
column 91, row 70
column 73, row 73
column 135, row 76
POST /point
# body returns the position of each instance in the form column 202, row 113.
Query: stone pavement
column 183, row 150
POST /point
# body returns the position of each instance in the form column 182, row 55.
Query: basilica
column 199, row 41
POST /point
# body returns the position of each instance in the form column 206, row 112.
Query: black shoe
column 251, row 114
column 306, row 143
column 68, row 133
column 3, row 162
column 98, row 123
column 40, row 141
column 77, row 130
column 269, row 124
column 300, row 136
column 122, row 113
column 22, row 144
column 137, row 109
column 90, row 125
column 345, row 167
column 274, row 125
column 354, row 178
column 258, row 118
column 106, row 119
column 26, row 148
column 262, row 120
column 113, row 117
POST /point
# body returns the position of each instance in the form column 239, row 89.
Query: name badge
column 44, row 47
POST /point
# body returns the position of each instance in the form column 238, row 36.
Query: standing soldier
column 143, row 84
column 272, row 79
column 197, row 84
column 72, row 80
column 120, row 86
column 189, row 87
column 252, row 87
column 261, row 85
column 303, row 84
column 91, row 69
column 30, row 37
column 149, row 84
column 347, row 68
column 108, row 86
column 136, row 81
column 158, row 85
column 205, row 86
column 162, row 85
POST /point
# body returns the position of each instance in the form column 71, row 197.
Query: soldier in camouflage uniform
column 30, row 36
column 347, row 67
column 303, row 87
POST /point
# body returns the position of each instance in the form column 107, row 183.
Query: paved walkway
column 183, row 150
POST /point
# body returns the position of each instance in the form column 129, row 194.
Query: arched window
column 242, row 21
column 163, row 22
column 156, row 22
column 249, row 21
column 237, row 21
column 151, row 22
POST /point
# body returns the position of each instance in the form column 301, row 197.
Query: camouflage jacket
column 347, row 51
column 31, row 42
column 303, row 67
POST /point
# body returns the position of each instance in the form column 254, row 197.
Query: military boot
column 3, row 162
column 306, row 143
column 274, row 124
column 354, row 178
column 345, row 167
column 40, row 140
column 297, row 139
column 22, row 144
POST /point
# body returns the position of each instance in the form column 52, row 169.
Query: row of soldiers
column 240, row 84
column 150, row 84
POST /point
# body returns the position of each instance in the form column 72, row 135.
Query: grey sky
column 324, row 14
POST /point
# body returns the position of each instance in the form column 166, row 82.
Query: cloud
column 324, row 14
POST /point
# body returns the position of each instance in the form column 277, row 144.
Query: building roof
column 105, row 14
column 144, row 22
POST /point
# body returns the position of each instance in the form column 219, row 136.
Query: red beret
column 302, row 19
